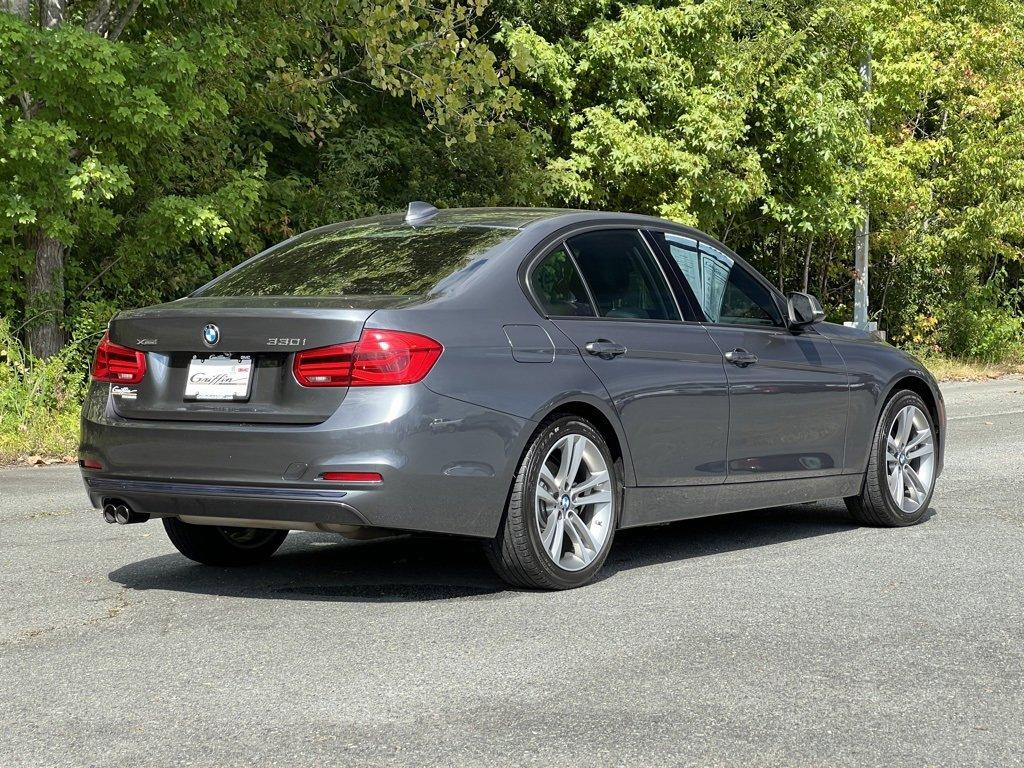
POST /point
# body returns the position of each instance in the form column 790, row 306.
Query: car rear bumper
column 243, row 502
column 445, row 465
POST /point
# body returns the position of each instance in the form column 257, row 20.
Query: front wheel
column 562, row 511
column 901, row 472
column 223, row 545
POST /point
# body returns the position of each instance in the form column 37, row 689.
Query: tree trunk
column 51, row 13
column 17, row 7
column 807, row 264
column 45, row 300
column 781, row 258
column 823, row 290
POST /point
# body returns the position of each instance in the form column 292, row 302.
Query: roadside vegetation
column 40, row 400
column 146, row 147
column 961, row 369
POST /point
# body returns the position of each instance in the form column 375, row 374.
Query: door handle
column 741, row 358
column 605, row 349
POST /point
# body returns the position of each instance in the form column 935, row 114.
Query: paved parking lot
column 783, row 637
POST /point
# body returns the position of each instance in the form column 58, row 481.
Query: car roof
column 505, row 218
column 539, row 223
column 536, row 223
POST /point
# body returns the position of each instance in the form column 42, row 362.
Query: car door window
column 624, row 278
column 559, row 288
column 727, row 292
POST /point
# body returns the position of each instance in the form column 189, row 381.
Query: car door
column 607, row 291
column 789, row 392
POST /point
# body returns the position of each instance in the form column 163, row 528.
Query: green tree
column 748, row 119
column 946, row 172
column 137, row 139
column 145, row 147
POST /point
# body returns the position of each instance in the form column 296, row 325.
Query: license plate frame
column 212, row 369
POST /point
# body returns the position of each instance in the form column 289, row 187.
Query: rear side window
column 369, row 260
column 559, row 288
column 623, row 276
column 727, row 292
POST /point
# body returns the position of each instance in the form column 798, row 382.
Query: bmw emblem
column 211, row 335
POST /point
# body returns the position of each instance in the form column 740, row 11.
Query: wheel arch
column 605, row 421
column 915, row 384
column 601, row 423
column 927, row 391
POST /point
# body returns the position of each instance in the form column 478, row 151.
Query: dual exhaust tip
column 120, row 513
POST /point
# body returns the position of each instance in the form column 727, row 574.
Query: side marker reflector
column 352, row 477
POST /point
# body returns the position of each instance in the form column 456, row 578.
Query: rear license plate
column 218, row 378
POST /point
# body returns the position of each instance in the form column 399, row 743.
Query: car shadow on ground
column 323, row 567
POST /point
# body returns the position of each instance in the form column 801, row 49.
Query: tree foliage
column 152, row 145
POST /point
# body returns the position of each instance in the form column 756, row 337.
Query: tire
column 877, row 503
column 222, row 545
column 519, row 554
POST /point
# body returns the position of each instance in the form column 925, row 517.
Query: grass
column 43, row 436
column 964, row 369
column 40, row 400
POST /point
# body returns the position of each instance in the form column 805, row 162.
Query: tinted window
column 726, row 292
column 369, row 260
column 623, row 276
column 558, row 286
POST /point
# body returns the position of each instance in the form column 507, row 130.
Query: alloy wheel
column 910, row 459
column 574, row 502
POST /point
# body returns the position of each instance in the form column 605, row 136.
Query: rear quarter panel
column 478, row 367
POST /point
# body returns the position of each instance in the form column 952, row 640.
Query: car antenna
column 419, row 212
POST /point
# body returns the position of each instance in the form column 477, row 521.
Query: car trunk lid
column 263, row 333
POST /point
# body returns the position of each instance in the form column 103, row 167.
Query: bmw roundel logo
column 211, row 334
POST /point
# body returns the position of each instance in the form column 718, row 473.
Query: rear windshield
column 368, row 260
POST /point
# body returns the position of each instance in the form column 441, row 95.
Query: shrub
column 980, row 323
column 40, row 400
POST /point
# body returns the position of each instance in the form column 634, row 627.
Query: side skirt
column 652, row 505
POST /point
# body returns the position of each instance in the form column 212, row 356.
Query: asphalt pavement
column 786, row 637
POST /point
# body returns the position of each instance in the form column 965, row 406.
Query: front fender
column 876, row 370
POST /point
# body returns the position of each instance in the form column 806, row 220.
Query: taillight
column 115, row 364
column 324, row 367
column 379, row 358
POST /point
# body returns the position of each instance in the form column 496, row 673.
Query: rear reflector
column 90, row 464
column 379, row 358
column 352, row 477
column 115, row 364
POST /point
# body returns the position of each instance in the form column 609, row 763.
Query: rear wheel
column 223, row 545
column 901, row 472
column 563, row 509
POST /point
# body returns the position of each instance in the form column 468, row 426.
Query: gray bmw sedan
column 537, row 379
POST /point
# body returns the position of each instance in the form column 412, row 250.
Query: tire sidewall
column 209, row 545
column 894, row 406
column 530, row 477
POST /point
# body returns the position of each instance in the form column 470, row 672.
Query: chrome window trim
column 664, row 275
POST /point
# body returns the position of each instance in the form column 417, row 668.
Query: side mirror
column 804, row 310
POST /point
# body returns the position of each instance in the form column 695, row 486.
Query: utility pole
column 862, row 237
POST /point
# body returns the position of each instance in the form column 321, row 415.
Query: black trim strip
column 197, row 489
